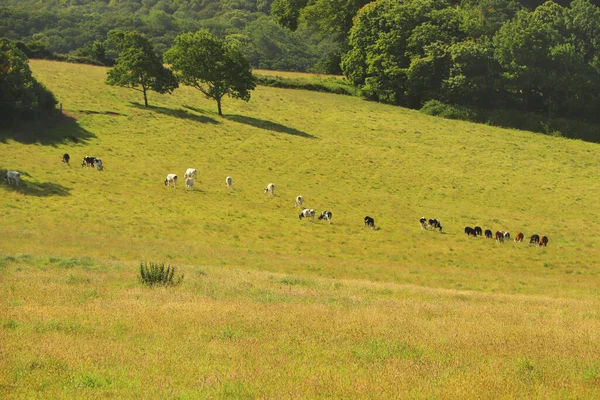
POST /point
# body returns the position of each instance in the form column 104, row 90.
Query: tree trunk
column 219, row 106
column 145, row 97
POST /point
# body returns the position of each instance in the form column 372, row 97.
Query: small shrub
column 157, row 274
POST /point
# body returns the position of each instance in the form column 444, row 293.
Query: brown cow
column 543, row 241
column 500, row 236
column 519, row 237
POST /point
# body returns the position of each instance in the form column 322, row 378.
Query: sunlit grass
column 272, row 306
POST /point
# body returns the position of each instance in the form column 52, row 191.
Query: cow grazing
column 190, row 173
column 470, row 231
column 88, row 161
column 423, row 222
column 500, row 236
column 171, row 179
column 189, row 183
column 270, row 189
column 65, row 159
column 543, row 241
column 519, row 237
column 488, row 234
column 299, row 201
column 99, row 165
column 307, row 213
column 434, row 224
column 507, row 235
column 326, row 215
column 12, row 177
column 535, row 239
column 228, row 182
column 478, row 231
column 370, row 222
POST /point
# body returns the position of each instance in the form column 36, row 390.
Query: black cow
column 488, row 234
column 500, row 236
column 535, row 239
column 478, row 231
column 66, row 159
column 470, row 231
column 370, row 222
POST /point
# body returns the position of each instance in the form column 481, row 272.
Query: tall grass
column 277, row 307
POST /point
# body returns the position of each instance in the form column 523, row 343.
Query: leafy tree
column 21, row 95
column 137, row 66
column 214, row 66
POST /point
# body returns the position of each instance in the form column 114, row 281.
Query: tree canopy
column 214, row 66
column 138, row 67
column 21, row 95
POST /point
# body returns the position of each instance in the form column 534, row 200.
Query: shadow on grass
column 49, row 131
column 178, row 113
column 28, row 188
column 268, row 125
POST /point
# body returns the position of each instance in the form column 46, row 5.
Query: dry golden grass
column 274, row 307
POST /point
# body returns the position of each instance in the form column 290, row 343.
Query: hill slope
column 273, row 305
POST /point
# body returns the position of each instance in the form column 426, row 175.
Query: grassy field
column 274, row 307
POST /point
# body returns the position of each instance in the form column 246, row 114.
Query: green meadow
column 276, row 307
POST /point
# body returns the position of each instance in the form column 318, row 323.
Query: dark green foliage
column 22, row 97
column 517, row 120
column 214, row 66
column 158, row 275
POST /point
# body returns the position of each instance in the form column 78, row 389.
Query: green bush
column 158, row 275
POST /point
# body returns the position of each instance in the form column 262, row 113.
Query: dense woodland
column 528, row 56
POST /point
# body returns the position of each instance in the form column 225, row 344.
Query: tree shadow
column 268, row 125
column 38, row 189
column 177, row 113
column 49, row 131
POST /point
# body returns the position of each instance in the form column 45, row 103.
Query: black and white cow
column 478, row 231
column 434, row 224
column 423, row 222
column 370, row 222
column 88, row 161
column 307, row 213
column 326, row 215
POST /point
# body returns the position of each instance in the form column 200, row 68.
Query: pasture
column 272, row 306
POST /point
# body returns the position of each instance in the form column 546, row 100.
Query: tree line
column 495, row 54
column 72, row 27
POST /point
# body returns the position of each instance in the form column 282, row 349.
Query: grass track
column 293, row 307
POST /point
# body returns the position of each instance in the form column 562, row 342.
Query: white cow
column 228, row 182
column 299, row 201
column 270, row 189
column 191, row 173
column 171, row 178
column 13, row 176
column 307, row 213
column 189, row 183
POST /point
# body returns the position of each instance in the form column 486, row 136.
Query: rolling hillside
column 272, row 306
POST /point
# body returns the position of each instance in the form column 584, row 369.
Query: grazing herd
column 502, row 236
column 14, row 177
